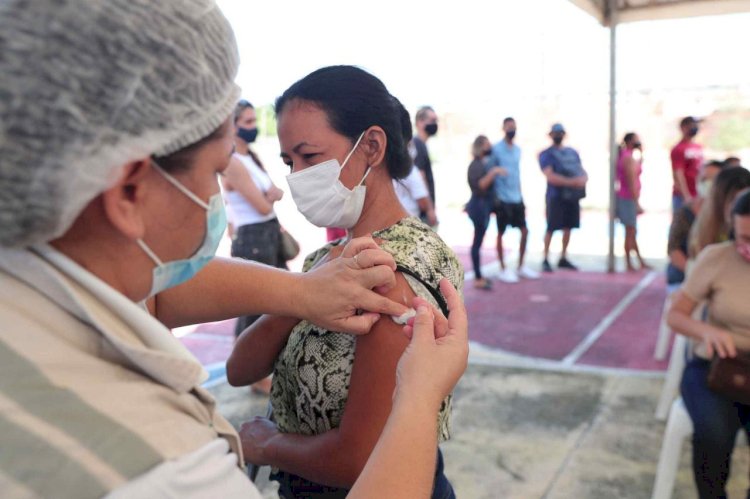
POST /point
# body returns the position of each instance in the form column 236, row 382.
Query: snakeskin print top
column 312, row 373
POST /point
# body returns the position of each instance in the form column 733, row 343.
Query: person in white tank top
column 250, row 195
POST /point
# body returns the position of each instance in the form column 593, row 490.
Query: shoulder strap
column 434, row 292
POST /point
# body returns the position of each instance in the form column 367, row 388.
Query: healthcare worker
column 114, row 123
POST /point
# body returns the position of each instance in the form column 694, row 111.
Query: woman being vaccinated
column 341, row 134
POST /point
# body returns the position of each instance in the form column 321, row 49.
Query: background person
column 713, row 223
column 340, row 125
column 719, row 277
column 628, row 206
column 426, row 123
column 117, row 202
column 509, row 208
column 250, row 195
column 479, row 206
column 686, row 157
column 682, row 222
column 566, row 183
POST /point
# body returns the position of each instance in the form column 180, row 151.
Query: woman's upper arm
column 373, row 379
column 241, row 181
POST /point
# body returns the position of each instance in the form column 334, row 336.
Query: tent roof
column 644, row 10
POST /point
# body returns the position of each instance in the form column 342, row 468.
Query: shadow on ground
column 529, row 434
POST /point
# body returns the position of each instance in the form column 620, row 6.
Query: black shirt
column 422, row 160
column 476, row 172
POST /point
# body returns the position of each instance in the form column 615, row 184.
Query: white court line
column 607, row 321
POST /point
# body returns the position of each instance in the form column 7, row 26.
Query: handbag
column 289, row 246
column 730, row 377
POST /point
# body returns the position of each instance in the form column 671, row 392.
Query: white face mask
column 323, row 199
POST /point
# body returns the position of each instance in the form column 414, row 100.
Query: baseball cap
column 557, row 128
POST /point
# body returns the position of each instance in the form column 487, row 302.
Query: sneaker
column 527, row 273
column 546, row 267
column 564, row 263
column 509, row 276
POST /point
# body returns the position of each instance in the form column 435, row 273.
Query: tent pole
column 612, row 130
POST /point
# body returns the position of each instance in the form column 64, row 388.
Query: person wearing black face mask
column 481, row 176
column 687, row 157
column 426, row 122
column 250, row 195
column 508, row 206
column 566, row 186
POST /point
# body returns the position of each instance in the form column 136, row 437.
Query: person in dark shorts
column 566, row 186
column 508, row 207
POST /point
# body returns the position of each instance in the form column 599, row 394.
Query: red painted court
column 591, row 319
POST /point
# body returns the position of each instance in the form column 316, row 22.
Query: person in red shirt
column 687, row 157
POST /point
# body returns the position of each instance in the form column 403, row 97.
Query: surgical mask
column 557, row 139
column 247, row 134
column 323, row 199
column 744, row 250
column 431, row 129
column 170, row 274
column 693, row 131
column 704, row 187
column 510, row 134
column 487, row 152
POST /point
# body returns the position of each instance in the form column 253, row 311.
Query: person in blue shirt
column 566, row 186
column 508, row 206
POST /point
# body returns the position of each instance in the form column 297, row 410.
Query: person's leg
column 501, row 220
column 629, row 240
column 634, row 245
column 480, row 228
column 522, row 246
column 565, row 243
column 715, row 422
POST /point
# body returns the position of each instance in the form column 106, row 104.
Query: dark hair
column 238, row 110
column 354, row 100
column 742, row 204
column 627, row 139
column 241, row 106
column 422, row 113
column 710, row 223
column 715, row 163
column 477, row 147
column 507, row 120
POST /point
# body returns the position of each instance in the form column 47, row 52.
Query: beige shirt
column 98, row 397
column 721, row 278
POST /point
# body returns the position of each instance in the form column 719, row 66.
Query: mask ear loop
column 181, row 187
column 346, row 160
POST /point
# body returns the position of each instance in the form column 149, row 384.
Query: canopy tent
column 613, row 12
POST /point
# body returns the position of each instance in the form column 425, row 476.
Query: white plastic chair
column 665, row 332
column 672, row 378
column 679, row 427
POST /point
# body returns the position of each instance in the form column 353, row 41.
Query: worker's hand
column 339, row 296
column 437, row 354
column 718, row 341
column 256, row 435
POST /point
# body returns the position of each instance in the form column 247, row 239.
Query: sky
column 456, row 55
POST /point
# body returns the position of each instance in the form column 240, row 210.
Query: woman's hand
column 499, row 171
column 256, row 435
column 338, row 295
column 718, row 341
column 438, row 352
column 274, row 194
